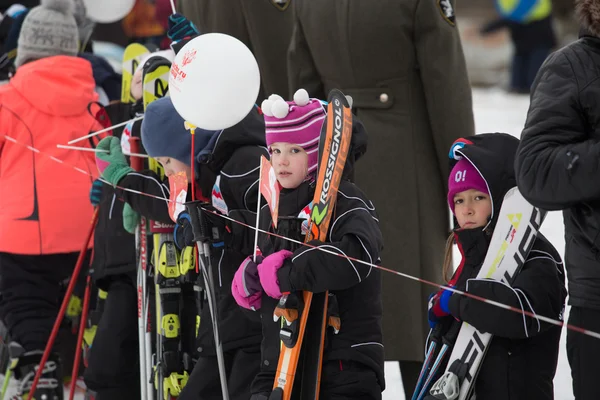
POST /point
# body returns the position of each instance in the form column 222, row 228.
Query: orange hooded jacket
column 44, row 205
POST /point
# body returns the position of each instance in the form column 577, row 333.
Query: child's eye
column 275, row 151
column 478, row 198
column 295, row 151
column 458, row 201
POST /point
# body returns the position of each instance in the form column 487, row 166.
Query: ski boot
column 24, row 366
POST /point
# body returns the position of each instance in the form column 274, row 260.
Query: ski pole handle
column 200, row 225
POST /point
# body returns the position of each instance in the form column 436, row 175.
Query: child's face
column 290, row 163
column 137, row 85
column 472, row 209
column 173, row 166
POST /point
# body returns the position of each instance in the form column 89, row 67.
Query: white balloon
column 107, row 11
column 214, row 81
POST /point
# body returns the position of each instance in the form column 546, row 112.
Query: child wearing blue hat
column 226, row 172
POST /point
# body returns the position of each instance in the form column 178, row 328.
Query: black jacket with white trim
column 228, row 173
column 521, row 359
column 354, row 232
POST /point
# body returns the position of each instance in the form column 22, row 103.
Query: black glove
column 180, row 27
column 184, row 234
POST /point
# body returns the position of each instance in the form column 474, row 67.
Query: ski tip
column 336, row 94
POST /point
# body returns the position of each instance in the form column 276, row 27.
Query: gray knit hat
column 48, row 30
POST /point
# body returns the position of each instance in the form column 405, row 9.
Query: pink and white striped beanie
column 298, row 122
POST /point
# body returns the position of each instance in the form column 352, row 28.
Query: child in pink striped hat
column 352, row 365
column 293, row 129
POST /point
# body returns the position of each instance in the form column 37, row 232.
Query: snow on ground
column 497, row 111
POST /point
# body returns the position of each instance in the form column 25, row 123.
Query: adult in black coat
column 557, row 166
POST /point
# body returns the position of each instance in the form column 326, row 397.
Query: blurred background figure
column 265, row 26
column 530, row 25
column 141, row 25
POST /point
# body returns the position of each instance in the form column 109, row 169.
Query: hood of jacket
column 59, row 85
column 493, row 155
column 248, row 132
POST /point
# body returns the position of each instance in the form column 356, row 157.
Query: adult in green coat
column 265, row 26
column 403, row 64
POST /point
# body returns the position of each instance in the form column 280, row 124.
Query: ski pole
column 78, row 347
column 141, row 241
column 202, row 238
column 7, row 377
column 63, row 307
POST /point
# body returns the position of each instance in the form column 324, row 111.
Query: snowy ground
column 496, row 111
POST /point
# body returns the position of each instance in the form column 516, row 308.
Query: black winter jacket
column 354, row 232
column 521, row 359
column 558, row 160
column 228, row 174
column 525, row 37
column 114, row 247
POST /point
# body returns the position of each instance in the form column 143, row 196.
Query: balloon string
column 173, row 6
column 192, row 163
column 193, row 131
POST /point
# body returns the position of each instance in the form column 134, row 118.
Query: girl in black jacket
column 521, row 359
column 353, row 359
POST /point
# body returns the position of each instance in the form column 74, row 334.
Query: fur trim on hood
column 588, row 12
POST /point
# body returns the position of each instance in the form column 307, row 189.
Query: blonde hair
column 448, row 267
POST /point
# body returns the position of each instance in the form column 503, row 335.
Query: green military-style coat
column 403, row 64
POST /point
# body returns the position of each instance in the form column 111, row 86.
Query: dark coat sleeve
column 557, row 159
column 302, row 71
column 354, row 232
column 240, row 177
column 538, row 289
column 150, row 183
column 493, row 26
column 239, row 186
column 445, row 80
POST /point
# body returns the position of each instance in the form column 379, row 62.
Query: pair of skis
column 305, row 314
column 515, row 232
column 170, row 368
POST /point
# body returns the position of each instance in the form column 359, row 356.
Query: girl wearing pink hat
column 521, row 359
column 353, row 360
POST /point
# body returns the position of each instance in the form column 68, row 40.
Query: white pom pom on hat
column 274, row 97
column 266, row 106
column 62, row 6
column 280, row 109
column 276, row 106
column 301, row 97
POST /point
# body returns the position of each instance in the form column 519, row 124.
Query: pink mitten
column 267, row 271
column 245, row 287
